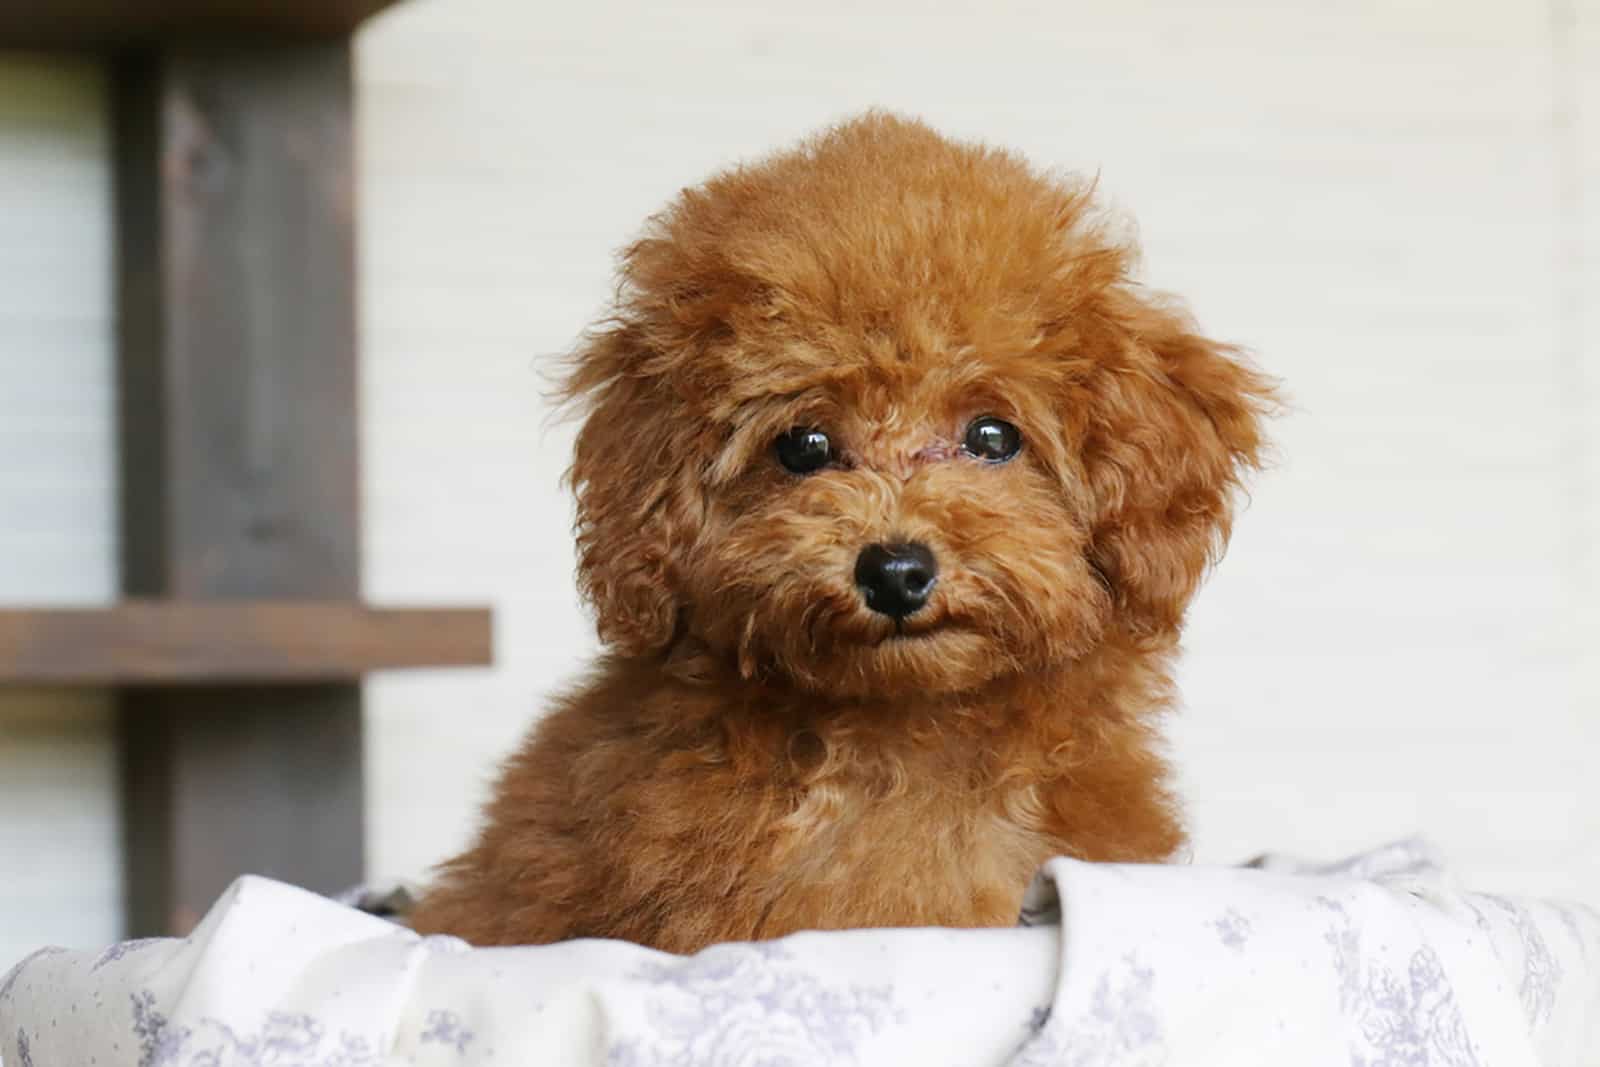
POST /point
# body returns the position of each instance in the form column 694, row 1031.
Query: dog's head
column 886, row 413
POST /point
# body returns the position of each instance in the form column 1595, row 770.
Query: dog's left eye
column 992, row 439
column 804, row 449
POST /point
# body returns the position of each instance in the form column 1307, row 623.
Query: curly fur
column 758, row 752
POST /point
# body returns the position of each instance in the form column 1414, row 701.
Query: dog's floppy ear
column 1174, row 425
column 636, row 482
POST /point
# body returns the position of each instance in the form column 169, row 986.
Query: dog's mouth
column 904, row 637
column 913, row 631
column 862, row 654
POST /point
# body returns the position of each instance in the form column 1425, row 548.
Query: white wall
column 59, row 867
column 1394, row 204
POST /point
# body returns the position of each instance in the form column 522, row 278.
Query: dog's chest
column 914, row 851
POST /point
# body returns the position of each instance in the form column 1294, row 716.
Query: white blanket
column 1378, row 962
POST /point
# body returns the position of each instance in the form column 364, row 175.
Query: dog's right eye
column 804, row 449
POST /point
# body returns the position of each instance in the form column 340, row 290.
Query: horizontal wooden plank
column 165, row 642
column 114, row 23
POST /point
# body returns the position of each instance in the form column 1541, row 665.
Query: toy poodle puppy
column 893, row 490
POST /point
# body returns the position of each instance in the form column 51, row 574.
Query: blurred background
column 1394, row 205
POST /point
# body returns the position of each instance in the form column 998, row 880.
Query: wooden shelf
column 231, row 133
column 219, row 641
column 120, row 23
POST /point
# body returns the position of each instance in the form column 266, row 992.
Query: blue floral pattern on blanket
column 1404, row 1018
column 749, row 1005
column 1233, row 929
column 445, row 1028
column 1541, row 971
column 1121, row 1026
column 283, row 1040
column 125, row 948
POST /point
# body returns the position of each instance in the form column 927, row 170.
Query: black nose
column 896, row 579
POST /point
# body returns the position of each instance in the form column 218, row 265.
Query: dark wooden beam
column 172, row 642
column 231, row 780
column 237, row 355
column 110, row 24
column 237, row 320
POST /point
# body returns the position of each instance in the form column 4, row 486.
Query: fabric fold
column 1377, row 960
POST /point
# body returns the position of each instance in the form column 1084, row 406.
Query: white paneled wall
column 59, row 867
column 1577, row 34
column 1396, row 205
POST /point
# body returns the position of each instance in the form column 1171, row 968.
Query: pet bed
column 1379, row 961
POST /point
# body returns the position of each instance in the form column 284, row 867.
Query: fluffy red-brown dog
column 892, row 493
